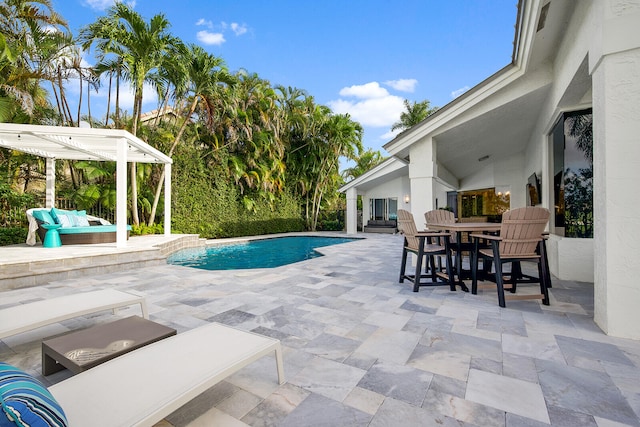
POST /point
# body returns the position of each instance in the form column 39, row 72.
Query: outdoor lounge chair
column 25, row 317
column 142, row 387
column 424, row 245
column 520, row 239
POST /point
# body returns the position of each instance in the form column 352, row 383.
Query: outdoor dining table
column 459, row 246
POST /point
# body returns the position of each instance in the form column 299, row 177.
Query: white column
column 167, row 199
column 50, row 191
column 121, row 194
column 352, row 211
column 422, row 179
column 614, row 61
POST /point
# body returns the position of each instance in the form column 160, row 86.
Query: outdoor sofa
column 381, row 226
column 77, row 227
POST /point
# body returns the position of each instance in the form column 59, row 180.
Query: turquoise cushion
column 80, row 219
column 62, row 217
column 91, row 229
column 43, row 215
column 26, row 402
column 70, row 218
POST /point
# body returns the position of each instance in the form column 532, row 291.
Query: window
column 488, row 202
column 572, row 139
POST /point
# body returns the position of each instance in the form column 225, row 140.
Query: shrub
column 12, row 235
column 331, row 225
column 142, row 229
column 216, row 209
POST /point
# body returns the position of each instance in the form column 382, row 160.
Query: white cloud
column 376, row 107
column 105, row 4
column 403, row 85
column 216, row 36
column 365, row 91
column 210, row 38
column 458, row 92
column 388, row 136
column 204, row 22
column 149, row 97
column 238, row 29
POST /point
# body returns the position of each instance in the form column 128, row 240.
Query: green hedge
column 253, row 228
column 216, row 210
column 13, row 235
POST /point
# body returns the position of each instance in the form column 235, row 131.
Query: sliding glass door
column 383, row 209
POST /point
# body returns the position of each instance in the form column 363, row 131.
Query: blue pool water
column 264, row 253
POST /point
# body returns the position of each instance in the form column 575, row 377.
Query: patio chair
column 439, row 216
column 520, row 239
column 425, row 245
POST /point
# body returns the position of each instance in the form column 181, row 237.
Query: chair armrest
column 486, row 236
column 432, row 234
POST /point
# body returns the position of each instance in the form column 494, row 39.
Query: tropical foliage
column 414, row 114
column 365, row 161
column 244, row 150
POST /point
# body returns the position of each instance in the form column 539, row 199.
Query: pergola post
column 121, row 193
column 352, row 211
column 167, row 199
column 50, row 191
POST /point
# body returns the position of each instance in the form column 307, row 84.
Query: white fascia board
column 454, row 109
column 483, row 90
column 375, row 172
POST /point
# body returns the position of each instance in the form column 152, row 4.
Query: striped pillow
column 26, row 402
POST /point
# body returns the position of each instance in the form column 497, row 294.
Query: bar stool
column 52, row 238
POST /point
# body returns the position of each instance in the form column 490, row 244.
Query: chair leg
column 431, row 264
column 416, row 280
column 403, row 266
column 543, row 270
column 473, row 259
column 499, row 273
column 543, row 252
column 516, row 272
column 500, row 284
column 449, row 266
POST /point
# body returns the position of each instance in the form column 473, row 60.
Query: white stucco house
column 572, row 60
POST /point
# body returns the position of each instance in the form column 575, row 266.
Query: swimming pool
column 263, row 253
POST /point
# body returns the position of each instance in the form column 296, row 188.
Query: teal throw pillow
column 26, row 402
column 62, row 217
column 43, row 215
column 80, row 219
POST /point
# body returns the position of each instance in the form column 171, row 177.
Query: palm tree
column 204, row 72
column 109, row 68
column 342, row 138
column 26, row 33
column 316, row 141
column 249, row 125
column 364, row 162
column 414, row 114
column 143, row 49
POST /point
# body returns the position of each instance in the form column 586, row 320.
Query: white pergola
column 110, row 145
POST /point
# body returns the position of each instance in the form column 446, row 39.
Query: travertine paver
column 361, row 349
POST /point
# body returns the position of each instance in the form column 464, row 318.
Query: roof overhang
column 495, row 118
column 391, row 168
column 58, row 142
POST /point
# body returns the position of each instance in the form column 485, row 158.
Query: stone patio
column 361, row 349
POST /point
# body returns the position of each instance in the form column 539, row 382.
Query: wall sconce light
column 406, row 198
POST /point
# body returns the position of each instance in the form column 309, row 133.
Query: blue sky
column 362, row 57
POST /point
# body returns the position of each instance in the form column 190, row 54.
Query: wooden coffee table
column 84, row 349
